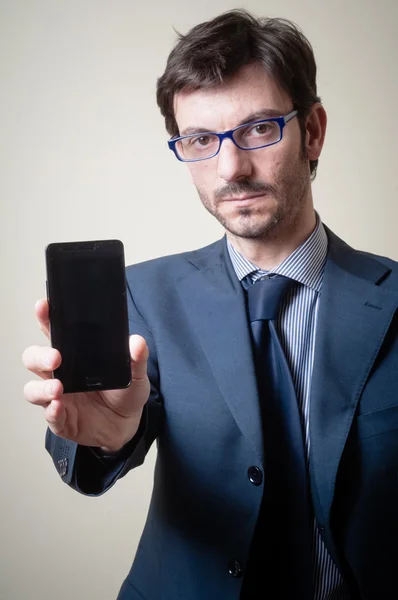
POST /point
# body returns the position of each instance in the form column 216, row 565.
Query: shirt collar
column 305, row 264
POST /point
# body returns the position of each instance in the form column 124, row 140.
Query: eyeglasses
column 250, row 136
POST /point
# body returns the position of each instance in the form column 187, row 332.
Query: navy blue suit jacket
column 204, row 414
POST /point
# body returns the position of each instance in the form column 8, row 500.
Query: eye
column 203, row 140
column 261, row 128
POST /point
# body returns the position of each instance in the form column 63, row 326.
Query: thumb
column 139, row 356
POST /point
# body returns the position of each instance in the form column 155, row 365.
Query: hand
column 103, row 419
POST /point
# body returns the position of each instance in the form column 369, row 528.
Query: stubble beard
column 288, row 196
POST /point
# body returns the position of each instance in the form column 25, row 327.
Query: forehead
column 220, row 107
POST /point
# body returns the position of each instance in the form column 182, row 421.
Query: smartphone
column 86, row 291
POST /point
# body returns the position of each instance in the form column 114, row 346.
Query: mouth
column 246, row 199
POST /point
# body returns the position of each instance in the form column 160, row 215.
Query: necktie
column 284, row 530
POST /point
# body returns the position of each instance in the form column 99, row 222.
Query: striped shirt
column 296, row 326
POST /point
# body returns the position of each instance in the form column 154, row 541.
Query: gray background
column 84, row 156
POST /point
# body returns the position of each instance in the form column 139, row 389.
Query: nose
column 233, row 163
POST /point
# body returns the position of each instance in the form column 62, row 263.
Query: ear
column 315, row 129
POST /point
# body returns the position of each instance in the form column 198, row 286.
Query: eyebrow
column 266, row 113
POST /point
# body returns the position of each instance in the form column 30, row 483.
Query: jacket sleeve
column 81, row 467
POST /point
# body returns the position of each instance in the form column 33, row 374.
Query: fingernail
column 49, row 387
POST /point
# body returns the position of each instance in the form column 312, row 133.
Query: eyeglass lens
column 251, row 136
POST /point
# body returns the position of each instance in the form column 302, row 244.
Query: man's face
column 250, row 192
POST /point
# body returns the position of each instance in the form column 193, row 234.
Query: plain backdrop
column 84, row 156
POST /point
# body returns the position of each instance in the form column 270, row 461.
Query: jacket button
column 235, row 569
column 255, row 475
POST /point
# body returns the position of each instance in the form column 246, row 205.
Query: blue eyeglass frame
column 282, row 121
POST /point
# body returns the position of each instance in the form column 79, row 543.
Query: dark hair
column 214, row 50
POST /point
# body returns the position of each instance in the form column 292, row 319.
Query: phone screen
column 88, row 314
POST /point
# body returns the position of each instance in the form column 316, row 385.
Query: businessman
column 266, row 369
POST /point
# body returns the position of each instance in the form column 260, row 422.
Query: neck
column 278, row 243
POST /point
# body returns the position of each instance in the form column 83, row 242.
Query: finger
column 43, row 316
column 55, row 415
column 139, row 356
column 41, row 360
column 41, row 393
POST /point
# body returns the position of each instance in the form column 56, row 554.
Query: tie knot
column 265, row 297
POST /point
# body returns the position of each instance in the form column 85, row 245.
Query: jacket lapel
column 215, row 304
column 354, row 316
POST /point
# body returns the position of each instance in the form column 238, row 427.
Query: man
column 277, row 467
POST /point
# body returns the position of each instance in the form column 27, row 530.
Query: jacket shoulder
column 175, row 264
column 380, row 269
column 385, row 260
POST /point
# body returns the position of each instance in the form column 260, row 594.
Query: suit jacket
column 204, row 414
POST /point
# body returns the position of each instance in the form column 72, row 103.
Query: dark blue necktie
column 285, row 524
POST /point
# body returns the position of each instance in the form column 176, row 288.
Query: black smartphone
column 86, row 291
